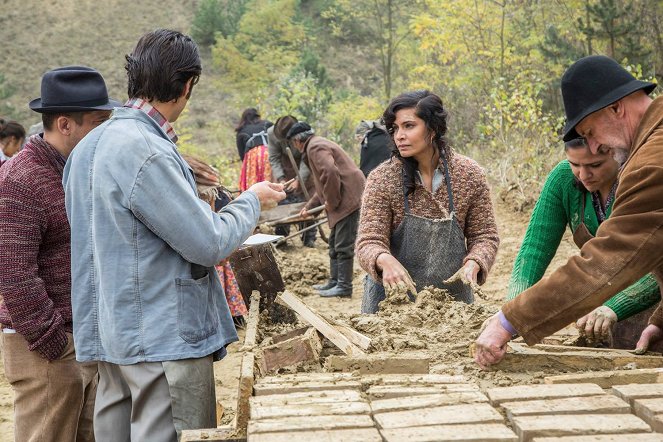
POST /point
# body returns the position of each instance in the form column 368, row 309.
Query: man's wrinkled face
column 602, row 130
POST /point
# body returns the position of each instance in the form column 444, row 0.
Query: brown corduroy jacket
column 628, row 245
column 339, row 183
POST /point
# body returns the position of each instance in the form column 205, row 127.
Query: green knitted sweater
column 559, row 205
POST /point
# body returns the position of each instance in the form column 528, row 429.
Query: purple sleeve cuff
column 506, row 324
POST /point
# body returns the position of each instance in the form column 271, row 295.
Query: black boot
column 344, row 286
column 333, row 276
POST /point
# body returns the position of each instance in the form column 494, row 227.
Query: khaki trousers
column 53, row 400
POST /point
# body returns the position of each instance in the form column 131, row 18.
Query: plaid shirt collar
column 140, row 104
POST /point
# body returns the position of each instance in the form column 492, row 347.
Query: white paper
column 260, row 238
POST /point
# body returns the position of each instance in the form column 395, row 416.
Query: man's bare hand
column 269, row 194
column 650, row 335
column 597, row 325
column 490, row 346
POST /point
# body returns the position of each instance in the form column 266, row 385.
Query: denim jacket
column 144, row 246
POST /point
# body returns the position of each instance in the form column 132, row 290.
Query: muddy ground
column 302, row 267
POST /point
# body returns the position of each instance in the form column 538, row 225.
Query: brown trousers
column 53, row 400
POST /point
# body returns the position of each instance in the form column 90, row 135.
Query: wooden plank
column 358, row 339
column 378, row 379
column 379, row 363
column 223, row 433
column 452, row 414
column 426, row 401
column 265, row 389
column 318, row 409
column 601, row 404
column 606, row 379
column 324, row 327
column 529, row 427
column 543, row 357
column 396, row 391
column 245, row 390
column 352, row 435
column 630, row 392
column 307, row 423
column 251, row 337
column 542, row 391
column 304, row 348
column 308, row 397
column 651, row 411
column 639, row 437
column 463, row 433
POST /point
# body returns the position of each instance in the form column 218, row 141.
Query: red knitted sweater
column 35, row 275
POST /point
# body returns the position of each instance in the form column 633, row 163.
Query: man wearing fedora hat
column 147, row 301
column 608, row 109
column 53, row 393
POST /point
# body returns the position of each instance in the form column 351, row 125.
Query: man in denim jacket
column 147, row 303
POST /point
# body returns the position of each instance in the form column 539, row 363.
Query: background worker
column 12, row 137
column 579, row 192
column 374, row 145
column 252, row 142
column 427, row 213
column 338, row 185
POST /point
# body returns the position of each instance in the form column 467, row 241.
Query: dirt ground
column 302, row 267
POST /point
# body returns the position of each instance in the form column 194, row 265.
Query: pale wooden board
column 245, row 390
column 427, row 401
column 529, row 427
column 379, row 363
column 630, row 392
column 327, row 408
column 310, row 423
column 651, row 411
column 224, row 433
column 606, row 379
column 395, row 391
column 252, row 321
column 320, row 323
column 452, row 414
column 640, row 437
column 360, row 340
column 601, row 404
column 353, row 435
column 266, row 389
column 464, row 433
column 308, row 397
column 542, row 391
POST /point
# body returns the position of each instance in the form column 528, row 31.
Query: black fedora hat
column 592, row 83
column 73, row 89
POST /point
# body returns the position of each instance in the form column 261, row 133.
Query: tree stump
column 256, row 269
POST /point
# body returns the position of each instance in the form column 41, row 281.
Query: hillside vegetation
column 496, row 64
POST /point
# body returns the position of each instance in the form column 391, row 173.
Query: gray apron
column 431, row 250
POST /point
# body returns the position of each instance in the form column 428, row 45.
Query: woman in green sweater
column 578, row 193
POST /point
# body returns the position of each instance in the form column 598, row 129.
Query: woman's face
column 593, row 171
column 411, row 134
column 11, row 145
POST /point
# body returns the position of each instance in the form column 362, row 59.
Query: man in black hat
column 608, row 109
column 339, row 184
column 53, row 393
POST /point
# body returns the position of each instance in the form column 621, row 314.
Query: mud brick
column 531, row 392
column 309, row 423
column 308, row 377
column 529, row 427
column 631, row 392
column 601, row 404
column 224, row 433
column 606, row 379
column 394, row 391
column 307, row 397
column 651, row 411
column 314, row 385
column 352, row 435
column 379, row 363
column 414, row 379
column 640, row 437
column 272, row 411
column 452, row 414
column 426, row 401
column 462, row 433
column 293, row 351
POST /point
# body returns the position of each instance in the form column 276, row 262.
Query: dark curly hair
column 10, row 128
column 161, row 64
column 429, row 108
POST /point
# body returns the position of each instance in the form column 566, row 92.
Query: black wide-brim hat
column 73, row 89
column 592, row 83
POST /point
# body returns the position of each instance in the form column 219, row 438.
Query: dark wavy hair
column 429, row 108
column 161, row 64
column 249, row 116
column 11, row 128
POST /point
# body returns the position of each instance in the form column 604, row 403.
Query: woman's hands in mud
column 467, row 274
column 394, row 274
